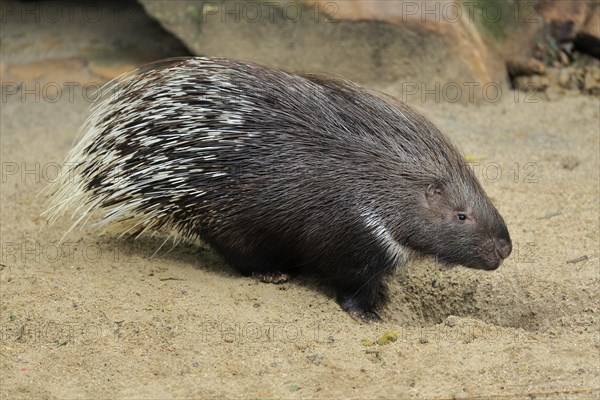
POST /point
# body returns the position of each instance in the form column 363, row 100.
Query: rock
column 564, row 77
column 571, row 78
column 591, row 81
column 535, row 83
column 564, row 58
column 525, row 67
column 371, row 42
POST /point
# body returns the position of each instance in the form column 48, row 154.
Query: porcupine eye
column 461, row 216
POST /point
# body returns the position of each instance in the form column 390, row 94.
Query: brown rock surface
column 532, row 83
column 529, row 66
column 375, row 41
column 592, row 25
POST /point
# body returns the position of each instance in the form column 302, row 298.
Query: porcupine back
column 164, row 141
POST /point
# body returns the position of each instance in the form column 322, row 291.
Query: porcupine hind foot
column 252, row 265
column 271, row 276
column 358, row 310
column 260, row 270
column 361, row 301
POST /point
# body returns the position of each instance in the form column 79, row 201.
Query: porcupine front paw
column 359, row 311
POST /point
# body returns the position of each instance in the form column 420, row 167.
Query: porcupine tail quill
column 70, row 192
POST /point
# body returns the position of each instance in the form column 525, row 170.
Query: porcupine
column 280, row 173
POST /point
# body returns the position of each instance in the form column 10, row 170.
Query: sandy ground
column 98, row 316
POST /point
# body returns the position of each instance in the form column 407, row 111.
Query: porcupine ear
column 434, row 192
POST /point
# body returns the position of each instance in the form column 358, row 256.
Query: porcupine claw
column 271, row 277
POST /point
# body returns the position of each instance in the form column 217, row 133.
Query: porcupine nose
column 504, row 248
